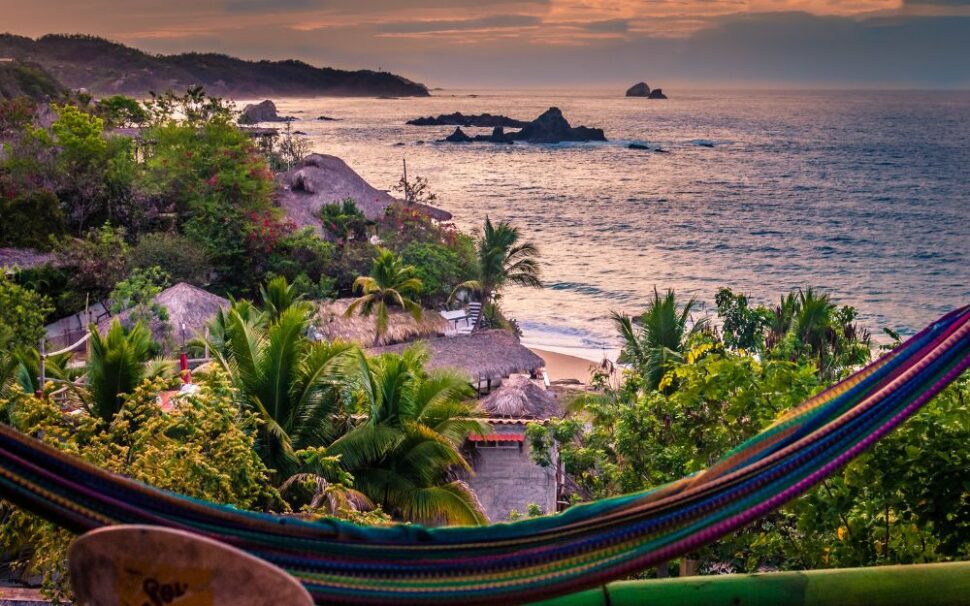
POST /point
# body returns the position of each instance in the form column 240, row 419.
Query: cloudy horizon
column 553, row 43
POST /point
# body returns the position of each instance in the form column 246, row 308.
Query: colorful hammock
column 584, row 546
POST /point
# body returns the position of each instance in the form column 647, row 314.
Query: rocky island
column 459, row 119
column 262, row 112
column 550, row 127
column 641, row 89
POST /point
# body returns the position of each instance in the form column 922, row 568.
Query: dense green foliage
column 22, row 313
column 390, row 283
column 344, row 221
column 204, row 451
column 440, row 266
column 191, row 193
column 904, row 501
column 182, row 258
column 394, row 429
column 116, row 367
column 403, row 456
column 19, row 79
column 502, row 260
column 658, row 337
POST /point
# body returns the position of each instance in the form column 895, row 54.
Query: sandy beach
column 563, row 366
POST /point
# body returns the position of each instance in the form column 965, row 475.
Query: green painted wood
column 916, row 585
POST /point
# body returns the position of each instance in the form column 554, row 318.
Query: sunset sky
column 536, row 43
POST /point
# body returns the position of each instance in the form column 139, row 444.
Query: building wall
column 507, row 479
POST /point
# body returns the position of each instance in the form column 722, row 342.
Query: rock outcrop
column 264, row 111
column 459, row 119
column 552, row 127
column 640, row 89
column 320, row 179
column 458, row 136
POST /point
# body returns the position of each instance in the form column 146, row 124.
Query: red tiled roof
column 496, row 437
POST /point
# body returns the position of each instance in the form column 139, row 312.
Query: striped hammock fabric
column 528, row 560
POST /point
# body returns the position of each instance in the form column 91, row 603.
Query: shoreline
column 560, row 366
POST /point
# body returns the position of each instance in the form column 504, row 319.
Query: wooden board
column 153, row 566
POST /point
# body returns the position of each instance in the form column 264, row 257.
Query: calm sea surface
column 865, row 194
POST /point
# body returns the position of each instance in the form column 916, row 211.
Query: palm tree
column 501, row 260
column 390, row 282
column 293, row 385
column 403, row 456
column 658, row 337
column 812, row 323
column 278, row 296
column 116, row 367
column 21, row 367
column 780, row 320
column 828, row 333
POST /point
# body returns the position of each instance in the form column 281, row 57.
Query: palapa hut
column 486, row 357
column 189, row 311
column 319, row 180
column 332, row 325
column 506, row 478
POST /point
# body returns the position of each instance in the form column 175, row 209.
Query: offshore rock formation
column 550, row 127
column 264, row 111
column 459, row 119
column 458, row 136
column 641, row 89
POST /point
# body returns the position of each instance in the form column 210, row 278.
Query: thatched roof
column 489, row 354
column 332, row 325
column 189, row 310
column 23, row 258
column 320, row 180
column 520, row 397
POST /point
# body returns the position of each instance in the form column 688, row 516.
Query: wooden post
column 688, row 566
column 42, row 375
column 407, row 188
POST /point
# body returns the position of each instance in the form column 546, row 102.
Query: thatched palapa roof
column 333, row 325
column 520, row 397
column 485, row 355
column 23, row 258
column 319, row 180
column 189, row 310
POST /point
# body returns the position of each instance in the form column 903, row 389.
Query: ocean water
column 864, row 194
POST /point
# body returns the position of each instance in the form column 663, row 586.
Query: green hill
column 18, row 79
column 105, row 67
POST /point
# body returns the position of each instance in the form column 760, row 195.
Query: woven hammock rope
column 585, row 546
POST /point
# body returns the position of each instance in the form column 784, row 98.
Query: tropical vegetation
column 390, row 283
column 502, row 259
column 693, row 387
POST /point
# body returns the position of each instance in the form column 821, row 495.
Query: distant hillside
column 105, row 67
column 18, row 79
